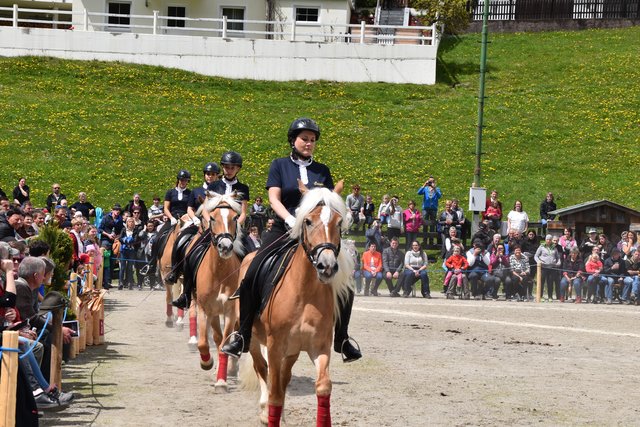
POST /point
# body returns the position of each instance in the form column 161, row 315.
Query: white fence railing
column 220, row 27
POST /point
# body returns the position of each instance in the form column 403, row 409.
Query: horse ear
column 303, row 188
column 339, row 187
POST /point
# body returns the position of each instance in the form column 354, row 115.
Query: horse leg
column 193, row 324
column 221, row 385
column 278, row 366
column 323, row 389
column 176, row 291
column 261, row 369
column 169, row 307
column 206, row 362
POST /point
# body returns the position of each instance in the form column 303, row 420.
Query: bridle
column 314, row 252
column 216, row 238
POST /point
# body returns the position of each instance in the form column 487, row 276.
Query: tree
column 61, row 247
column 452, row 13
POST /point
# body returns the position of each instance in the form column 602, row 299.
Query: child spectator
column 457, row 264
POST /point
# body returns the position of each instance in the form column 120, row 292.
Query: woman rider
column 176, row 202
column 211, row 171
column 284, row 197
column 231, row 162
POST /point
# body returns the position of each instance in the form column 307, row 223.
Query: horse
column 216, row 279
column 303, row 307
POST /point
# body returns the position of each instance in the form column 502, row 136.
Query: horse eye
column 307, row 222
column 340, row 224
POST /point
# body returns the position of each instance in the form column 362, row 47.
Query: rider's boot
column 182, row 301
column 341, row 342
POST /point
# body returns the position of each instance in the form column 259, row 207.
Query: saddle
column 182, row 242
column 270, row 269
column 194, row 259
column 157, row 249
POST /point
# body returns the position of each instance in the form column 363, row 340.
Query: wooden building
column 607, row 217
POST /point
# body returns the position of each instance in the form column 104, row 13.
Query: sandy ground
column 427, row 362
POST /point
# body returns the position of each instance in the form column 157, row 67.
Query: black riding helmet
column 211, row 167
column 231, row 158
column 183, row 174
column 298, row 125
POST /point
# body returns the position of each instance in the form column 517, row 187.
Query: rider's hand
column 290, row 221
column 196, row 221
column 173, row 221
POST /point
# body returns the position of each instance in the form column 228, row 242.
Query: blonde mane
column 214, row 200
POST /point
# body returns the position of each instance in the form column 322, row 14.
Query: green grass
column 562, row 116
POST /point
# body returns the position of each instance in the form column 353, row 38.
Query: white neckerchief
column 180, row 191
column 205, row 186
column 303, row 164
column 229, row 184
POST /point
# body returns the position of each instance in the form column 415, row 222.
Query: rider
column 176, row 202
column 284, row 196
column 231, row 162
column 211, row 172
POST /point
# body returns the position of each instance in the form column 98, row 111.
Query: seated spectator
column 21, row 192
column 412, row 221
column 374, row 236
column 596, row 281
column 355, row 204
column 350, row 247
column 415, row 267
column 500, row 272
column 449, row 243
column 520, row 274
column 547, row 206
column 53, row 199
column 492, row 248
column 483, row 235
column 572, row 276
column 448, row 218
column 78, row 241
column 372, row 269
column 615, row 270
column 632, row 280
column 478, row 272
column 493, row 215
column 455, row 278
column 547, row 255
column 516, row 239
column 629, row 245
column 382, row 210
column 27, row 230
column 38, row 220
column 10, row 223
column 587, row 245
column 5, row 205
column 253, row 240
column 623, row 239
column 567, row 242
column 605, row 247
column 82, row 205
column 518, row 218
column 392, row 265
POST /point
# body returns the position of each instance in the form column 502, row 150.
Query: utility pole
column 483, row 71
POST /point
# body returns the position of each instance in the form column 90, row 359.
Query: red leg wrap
column 193, row 326
column 180, row 312
column 222, row 366
column 275, row 413
column 205, row 357
column 324, row 411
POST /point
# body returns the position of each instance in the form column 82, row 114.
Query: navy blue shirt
column 284, row 174
column 221, row 188
column 177, row 207
column 197, row 193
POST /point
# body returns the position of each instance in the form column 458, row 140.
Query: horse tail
column 342, row 284
column 246, row 374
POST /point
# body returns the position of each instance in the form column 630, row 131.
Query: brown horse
column 217, row 279
column 302, row 309
column 164, row 266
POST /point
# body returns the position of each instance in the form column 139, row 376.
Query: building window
column 119, row 9
column 178, row 12
column 307, row 14
column 234, row 13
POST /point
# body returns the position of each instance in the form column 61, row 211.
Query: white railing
column 219, row 27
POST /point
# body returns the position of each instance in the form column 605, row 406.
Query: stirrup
column 144, row 270
column 227, row 342
column 235, row 295
column 357, row 347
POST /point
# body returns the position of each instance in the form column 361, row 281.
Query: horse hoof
column 193, row 343
column 206, row 366
column 221, row 386
column 179, row 323
column 169, row 322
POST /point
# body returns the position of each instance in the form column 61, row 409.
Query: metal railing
column 157, row 24
column 520, row 10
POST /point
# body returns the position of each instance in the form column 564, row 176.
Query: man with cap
column 589, row 243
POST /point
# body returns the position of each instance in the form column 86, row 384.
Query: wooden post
column 539, row 282
column 9, row 379
column 55, row 375
column 89, row 290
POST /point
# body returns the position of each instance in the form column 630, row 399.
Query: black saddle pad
column 270, row 270
column 160, row 242
column 183, row 240
column 194, row 259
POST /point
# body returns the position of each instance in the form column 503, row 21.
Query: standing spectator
column 137, row 203
column 253, row 240
column 21, row 193
column 483, row 235
column 54, row 198
column 355, row 203
column 567, row 242
column 448, row 218
column 110, row 228
column 547, row 206
column 76, row 238
column 350, row 247
column 268, row 228
column 147, row 237
column 38, row 220
column 155, row 212
column 129, row 241
column 4, row 204
column 587, row 245
column 494, row 199
column 372, row 269
column 463, row 225
column 596, row 281
column 430, row 195
column 392, row 264
column 258, row 214
column 572, row 271
column 629, row 244
column 416, row 264
column 382, row 210
column 632, row 280
column 374, row 236
column 83, row 206
column 493, row 215
column 615, row 270
column 368, row 210
column 547, row 255
column 479, row 260
column 518, row 219
column 27, row 230
column 412, row 221
column 605, row 247
column 520, row 273
column 10, row 223
column 394, row 215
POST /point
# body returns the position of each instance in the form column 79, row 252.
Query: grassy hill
column 562, row 116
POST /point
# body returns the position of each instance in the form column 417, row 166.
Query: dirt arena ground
column 426, row 362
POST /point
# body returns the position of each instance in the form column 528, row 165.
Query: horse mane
column 341, row 283
column 214, row 200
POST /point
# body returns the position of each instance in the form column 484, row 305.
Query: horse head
column 320, row 220
column 223, row 215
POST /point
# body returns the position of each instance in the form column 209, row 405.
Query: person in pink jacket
column 412, row 220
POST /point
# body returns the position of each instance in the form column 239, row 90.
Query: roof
column 593, row 204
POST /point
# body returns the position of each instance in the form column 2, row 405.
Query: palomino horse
column 217, row 279
column 164, row 266
column 303, row 306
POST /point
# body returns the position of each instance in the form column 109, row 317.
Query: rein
column 217, row 237
column 314, row 253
